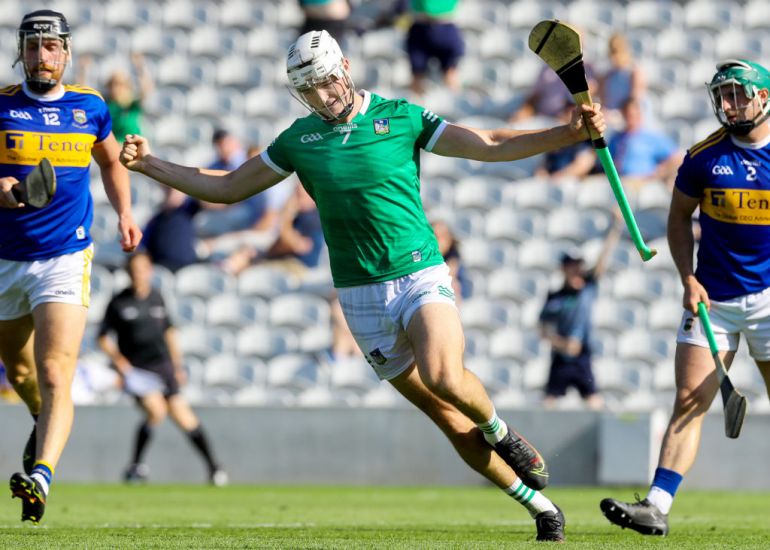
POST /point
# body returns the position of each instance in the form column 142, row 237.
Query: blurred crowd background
column 249, row 285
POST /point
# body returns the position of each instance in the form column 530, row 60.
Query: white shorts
column 748, row 315
column 25, row 285
column 378, row 315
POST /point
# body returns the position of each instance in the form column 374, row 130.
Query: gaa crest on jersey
column 79, row 116
column 382, row 126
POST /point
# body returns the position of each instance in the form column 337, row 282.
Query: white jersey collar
column 48, row 97
column 366, row 102
column 745, row 145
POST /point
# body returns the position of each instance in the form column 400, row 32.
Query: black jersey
column 140, row 326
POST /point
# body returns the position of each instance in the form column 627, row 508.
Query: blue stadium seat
column 497, row 376
column 352, row 374
column 265, row 281
column 487, row 314
column 189, row 310
column 673, row 44
column 483, row 254
column 650, row 347
column 538, row 253
column 265, row 342
column 299, row 310
column 202, row 342
column 203, row 280
column 665, row 314
column 616, row 316
column 525, row 14
column 737, row 43
column 535, row 193
column 315, row 339
column 232, row 310
column 294, row 372
column 515, row 225
column 711, row 16
column 230, row 372
column 652, row 15
column 479, row 192
column 755, row 15
column 519, row 345
column 599, row 18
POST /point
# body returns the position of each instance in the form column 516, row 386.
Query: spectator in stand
column 126, row 106
column 548, row 95
column 170, row 238
column 298, row 245
column 434, row 35
column 623, row 81
column 575, row 161
column 257, row 213
column 329, row 15
column 565, row 322
column 643, row 154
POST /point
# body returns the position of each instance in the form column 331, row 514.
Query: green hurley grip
column 704, row 318
column 612, row 175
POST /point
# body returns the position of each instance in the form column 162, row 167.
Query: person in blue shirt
column 46, row 253
column 641, row 153
column 727, row 176
column 565, row 322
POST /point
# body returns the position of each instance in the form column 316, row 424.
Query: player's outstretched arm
column 117, row 186
column 505, row 144
column 249, row 179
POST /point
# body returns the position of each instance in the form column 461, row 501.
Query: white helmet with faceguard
column 35, row 28
column 738, row 74
column 315, row 60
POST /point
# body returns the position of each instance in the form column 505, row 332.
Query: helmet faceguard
column 36, row 30
column 734, row 79
column 315, row 61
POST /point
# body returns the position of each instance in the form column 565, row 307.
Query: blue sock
column 667, row 480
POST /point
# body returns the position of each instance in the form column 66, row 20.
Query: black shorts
column 165, row 370
column 441, row 41
column 571, row 373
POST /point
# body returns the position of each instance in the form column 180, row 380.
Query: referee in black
column 149, row 363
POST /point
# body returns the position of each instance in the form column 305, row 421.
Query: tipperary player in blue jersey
column 727, row 175
column 45, row 253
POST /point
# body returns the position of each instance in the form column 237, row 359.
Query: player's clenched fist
column 7, row 199
column 135, row 149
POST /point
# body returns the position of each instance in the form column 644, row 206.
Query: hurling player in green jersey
column 357, row 154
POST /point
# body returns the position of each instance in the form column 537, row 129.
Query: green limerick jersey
column 365, row 178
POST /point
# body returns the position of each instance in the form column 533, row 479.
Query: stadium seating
column 222, row 63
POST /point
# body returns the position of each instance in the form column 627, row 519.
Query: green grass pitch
column 192, row 517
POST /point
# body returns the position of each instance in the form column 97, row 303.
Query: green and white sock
column 534, row 501
column 494, row 429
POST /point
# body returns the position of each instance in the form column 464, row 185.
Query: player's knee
column 20, row 378
column 444, row 383
column 53, row 377
column 693, row 401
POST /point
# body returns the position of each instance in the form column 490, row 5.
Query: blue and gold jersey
column 64, row 130
column 732, row 181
